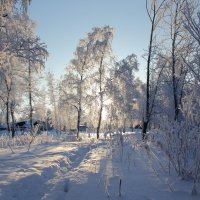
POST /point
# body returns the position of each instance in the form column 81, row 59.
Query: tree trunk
column 55, row 112
column 99, row 121
column 7, row 115
column 124, row 126
column 144, row 129
column 174, row 79
column 7, row 104
column 13, row 120
column 80, row 104
column 100, row 92
column 101, row 97
column 30, row 97
column 147, row 114
column 78, row 123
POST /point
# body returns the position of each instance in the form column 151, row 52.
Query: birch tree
column 53, row 96
column 122, row 91
column 11, row 89
column 34, row 54
column 74, row 88
column 181, row 47
column 103, row 58
column 18, row 40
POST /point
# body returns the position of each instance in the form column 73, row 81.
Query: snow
column 89, row 169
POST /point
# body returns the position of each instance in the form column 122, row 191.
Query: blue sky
column 61, row 24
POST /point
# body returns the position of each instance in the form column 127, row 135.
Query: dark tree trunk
column 79, row 109
column 100, row 92
column 30, row 96
column 7, row 104
column 124, row 126
column 101, row 99
column 144, row 129
column 78, row 123
column 13, row 120
column 147, row 113
column 174, row 79
column 154, row 17
column 99, row 121
column 7, row 116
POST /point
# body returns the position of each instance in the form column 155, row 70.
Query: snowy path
column 88, row 171
column 143, row 176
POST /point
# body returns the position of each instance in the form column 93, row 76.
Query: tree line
column 102, row 91
column 95, row 88
column 22, row 56
column 172, row 86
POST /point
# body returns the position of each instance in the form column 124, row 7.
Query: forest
column 103, row 94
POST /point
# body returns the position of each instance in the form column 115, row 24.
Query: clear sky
column 62, row 23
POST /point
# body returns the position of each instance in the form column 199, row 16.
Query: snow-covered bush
column 24, row 139
column 182, row 140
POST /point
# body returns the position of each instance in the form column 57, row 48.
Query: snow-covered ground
column 121, row 168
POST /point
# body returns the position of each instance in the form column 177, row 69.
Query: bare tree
column 192, row 24
column 155, row 13
column 180, row 47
